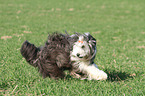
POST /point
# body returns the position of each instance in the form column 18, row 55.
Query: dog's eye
column 83, row 46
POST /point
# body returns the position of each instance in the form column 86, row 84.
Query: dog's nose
column 78, row 54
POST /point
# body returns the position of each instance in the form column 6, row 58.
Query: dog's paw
column 101, row 76
column 97, row 75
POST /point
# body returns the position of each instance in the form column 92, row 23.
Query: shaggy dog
column 52, row 59
column 82, row 57
column 75, row 53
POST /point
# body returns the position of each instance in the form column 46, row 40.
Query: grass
column 118, row 26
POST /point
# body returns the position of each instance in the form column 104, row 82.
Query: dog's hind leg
column 50, row 70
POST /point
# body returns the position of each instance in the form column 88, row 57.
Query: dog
column 82, row 57
column 75, row 53
column 52, row 58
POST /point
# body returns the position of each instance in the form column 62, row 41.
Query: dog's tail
column 30, row 53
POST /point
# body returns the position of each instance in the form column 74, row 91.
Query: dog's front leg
column 75, row 75
column 96, row 74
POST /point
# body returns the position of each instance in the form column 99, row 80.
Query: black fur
column 52, row 59
column 30, row 52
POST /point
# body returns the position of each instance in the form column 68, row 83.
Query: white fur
column 79, row 50
column 94, row 73
column 91, row 70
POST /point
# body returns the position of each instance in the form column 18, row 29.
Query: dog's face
column 83, row 48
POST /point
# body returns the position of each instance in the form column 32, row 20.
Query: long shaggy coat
column 52, row 59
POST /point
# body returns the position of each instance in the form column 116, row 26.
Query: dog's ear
column 91, row 39
column 92, row 44
column 90, row 36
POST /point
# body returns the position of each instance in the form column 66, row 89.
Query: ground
column 117, row 25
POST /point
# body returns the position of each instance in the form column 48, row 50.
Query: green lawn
column 118, row 26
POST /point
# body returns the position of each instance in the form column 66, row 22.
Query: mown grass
column 118, row 26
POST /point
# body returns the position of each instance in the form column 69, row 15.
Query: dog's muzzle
column 79, row 56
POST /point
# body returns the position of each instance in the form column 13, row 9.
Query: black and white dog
column 82, row 57
column 75, row 53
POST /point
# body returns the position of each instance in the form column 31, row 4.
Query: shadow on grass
column 4, row 85
column 114, row 75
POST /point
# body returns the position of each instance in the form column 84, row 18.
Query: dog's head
column 84, row 47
